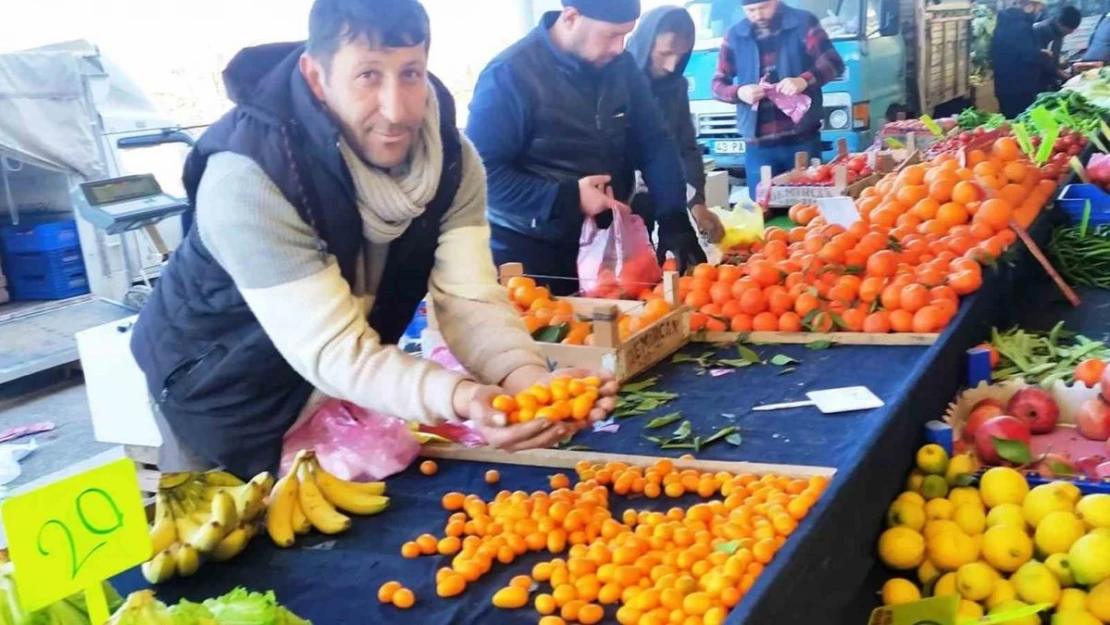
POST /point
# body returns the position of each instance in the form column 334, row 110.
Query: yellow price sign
column 74, row 534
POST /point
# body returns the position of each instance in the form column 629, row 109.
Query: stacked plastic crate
column 43, row 261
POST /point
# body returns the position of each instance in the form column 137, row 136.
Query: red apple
column 984, row 410
column 1093, row 419
column 1037, row 407
column 1004, row 427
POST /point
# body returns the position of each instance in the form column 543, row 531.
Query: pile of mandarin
column 563, row 398
column 539, row 309
column 685, row 566
column 924, row 234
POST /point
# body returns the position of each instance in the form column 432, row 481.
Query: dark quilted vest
column 217, row 377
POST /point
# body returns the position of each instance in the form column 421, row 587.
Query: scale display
column 127, row 203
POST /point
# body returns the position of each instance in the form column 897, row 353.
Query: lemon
column 1006, row 514
column 1057, row 532
column 1044, row 499
column 963, row 495
column 934, row 487
column 900, row 590
column 932, row 460
column 1071, row 599
column 1006, row 547
column 1011, row 605
column 1002, row 485
column 935, row 528
column 1098, row 601
column 1074, row 617
column 906, row 513
column 1058, row 564
column 1094, row 510
column 912, row 497
column 960, row 464
column 946, row 585
column 1003, row 592
column 913, row 482
column 951, row 550
column 975, row 581
column 939, row 510
column 1070, row 490
column 968, row 610
column 927, row 573
column 1100, row 531
column 970, row 517
column 1036, row 584
column 1089, row 558
column 901, row 548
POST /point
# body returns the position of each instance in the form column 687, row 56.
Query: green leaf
column 666, row 419
column 734, row 362
column 965, row 479
column 552, row 334
column 678, row 446
column 730, row 547
column 781, row 360
column 681, row 358
column 642, row 385
column 655, row 439
column 734, row 439
column 628, row 412
column 648, row 405
column 817, row 345
column 786, row 370
column 719, row 434
column 697, row 444
column 1016, row 452
column 683, row 432
column 1061, row 469
column 749, row 354
column 659, row 395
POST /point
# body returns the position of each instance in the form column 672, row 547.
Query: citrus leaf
column 659, row 395
column 552, row 334
column 655, row 439
column 643, row 385
column 730, row 547
column 666, row 419
column 734, row 362
column 734, row 439
column 648, row 405
column 1016, row 452
column 786, row 370
column 681, row 358
column 719, row 434
column 749, row 354
column 1061, row 469
column 678, row 446
column 782, row 360
column 817, row 345
column 965, row 479
column 682, row 432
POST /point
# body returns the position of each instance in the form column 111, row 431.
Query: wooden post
column 510, row 270
column 670, row 288
column 801, row 161
column 606, row 329
column 840, row 177
column 841, row 148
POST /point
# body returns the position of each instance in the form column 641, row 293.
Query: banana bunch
column 197, row 515
column 310, row 497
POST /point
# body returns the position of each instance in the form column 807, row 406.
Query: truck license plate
column 728, row 147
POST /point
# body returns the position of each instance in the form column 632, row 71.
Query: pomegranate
column 1002, row 427
column 984, row 410
column 1036, row 406
column 1093, row 419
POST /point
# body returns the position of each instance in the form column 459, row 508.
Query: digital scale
column 126, row 205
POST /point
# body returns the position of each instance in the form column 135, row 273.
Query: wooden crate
column 786, row 192
column 802, row 338
column 626, row 358
column 146, row 465
column 943, row 52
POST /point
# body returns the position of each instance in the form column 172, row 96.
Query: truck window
column 839, row 18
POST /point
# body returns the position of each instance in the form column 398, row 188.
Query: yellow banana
column 301, row 524
column 250, row 499
column 234, row 543
column 187, row 560
column 163, row 532
column 160, row 568
column 170, row 481
column 265, row 480
column 223, row 509
column 208, row 536
column 279, row 518
column 220, row 478
column 320, row 513
column 351, row 497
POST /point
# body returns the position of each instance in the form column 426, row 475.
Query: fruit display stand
column 796, row 186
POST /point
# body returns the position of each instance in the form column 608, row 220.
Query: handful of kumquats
column 564, row 398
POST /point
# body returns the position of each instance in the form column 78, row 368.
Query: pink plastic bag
column 795, row 106
column 352, row 443
column 619, row 261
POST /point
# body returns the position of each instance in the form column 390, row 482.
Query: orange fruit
column 1089, row 372
column 429, row 467
column 952, row 214
column 965, row 192
column 927, row 320
column 789, row 322
column 765, row 322
column 1007, row 149
column 387, row 590
column 510, row 598
column 493, row 476
column 877, row 322
column 995, row 213
column 403, row 598
column 901, row 320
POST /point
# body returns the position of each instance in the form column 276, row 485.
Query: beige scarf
column 389, row 201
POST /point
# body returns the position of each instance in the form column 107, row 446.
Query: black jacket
column 1020, row 64
column 672, row 93
column 222, row 385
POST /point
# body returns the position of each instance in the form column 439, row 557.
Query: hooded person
column 1021, row 66
column 563, row 119
column 328, row 203
column 661, row 45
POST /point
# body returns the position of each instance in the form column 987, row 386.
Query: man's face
column 595, row 42
column 761, row 13
column 668, row 51
column 377, row 96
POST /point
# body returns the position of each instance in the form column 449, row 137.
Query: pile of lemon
column 998, row 546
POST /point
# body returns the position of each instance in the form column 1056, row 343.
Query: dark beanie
column 612, row 11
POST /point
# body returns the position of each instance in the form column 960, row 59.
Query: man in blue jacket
column 563, row 119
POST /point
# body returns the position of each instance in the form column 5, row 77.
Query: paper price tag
column 74, row 534
column 840, row 211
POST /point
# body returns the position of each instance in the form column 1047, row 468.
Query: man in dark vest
column 785, row 48
column 563, row 119
column 329, row 201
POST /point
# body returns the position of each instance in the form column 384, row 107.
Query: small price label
column 74, row 534
column 840, row 211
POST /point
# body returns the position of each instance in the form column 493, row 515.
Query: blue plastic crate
column 1073, row 199
column 39, row 237
column 55, row 274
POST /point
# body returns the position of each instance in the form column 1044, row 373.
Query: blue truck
column 867, row 35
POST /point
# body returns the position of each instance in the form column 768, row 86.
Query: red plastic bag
column 618, row 261
column 795, row 106
column 351, row 442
